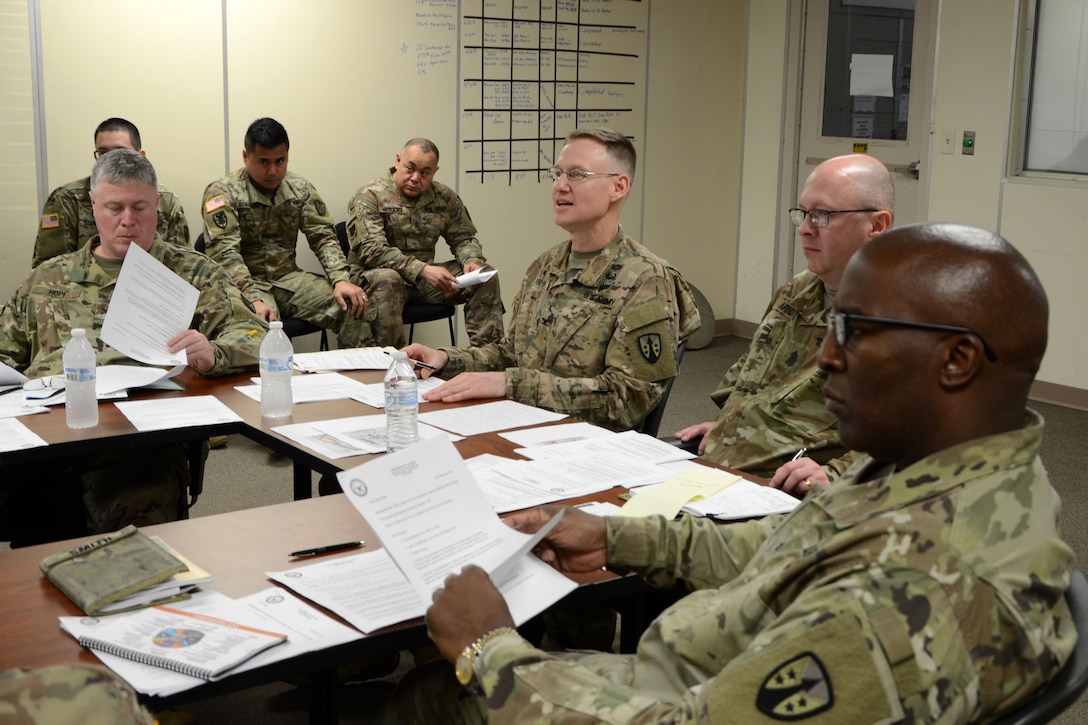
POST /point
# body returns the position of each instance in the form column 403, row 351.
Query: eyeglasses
column 840, row 325
column 574, row 176
column 47, row 387
column 818, row 217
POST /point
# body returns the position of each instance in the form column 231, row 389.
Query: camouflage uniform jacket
column 597, row 342
column 772, row 398
column 67, row 221
column 255, row 237
column 929, row 595
column 73, row 291
column 388, row 229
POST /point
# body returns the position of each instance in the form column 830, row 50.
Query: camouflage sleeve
column 318, row 229
column 58, row 228
column 15, row 348
column 234, row 330
column 173, row 225
column 223, row 243
column 63, row 694
column 460, row 234
column 370, row 247
column 732, row 375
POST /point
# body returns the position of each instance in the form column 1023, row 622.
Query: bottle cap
column 79, row 332
column 399, row 355
column 275, row 325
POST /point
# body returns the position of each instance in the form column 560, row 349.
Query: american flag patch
column 214, row 203
column 50, row 221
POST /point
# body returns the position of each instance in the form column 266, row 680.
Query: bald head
column 860, row 178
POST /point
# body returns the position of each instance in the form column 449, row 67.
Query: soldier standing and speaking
column 252, row 218
column 394, row 223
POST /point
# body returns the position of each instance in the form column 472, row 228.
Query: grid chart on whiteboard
column 534, row 70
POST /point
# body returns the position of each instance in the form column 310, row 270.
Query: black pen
column 327, row 549
column 418, row 363
column 16, row 389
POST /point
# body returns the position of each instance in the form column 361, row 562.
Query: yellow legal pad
column 669, row 497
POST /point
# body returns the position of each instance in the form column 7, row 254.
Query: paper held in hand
column 434, row 520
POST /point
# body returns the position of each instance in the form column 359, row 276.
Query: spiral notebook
column 186, row 642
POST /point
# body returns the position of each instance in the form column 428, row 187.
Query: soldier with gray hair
column 142, row 485
column 393, row 226
column 924, row 585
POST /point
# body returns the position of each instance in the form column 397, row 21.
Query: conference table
column 239, row 546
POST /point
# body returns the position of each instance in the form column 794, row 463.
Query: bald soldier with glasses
column 771, row 398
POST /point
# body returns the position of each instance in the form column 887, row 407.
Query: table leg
column 323, row 697
column 303, row 482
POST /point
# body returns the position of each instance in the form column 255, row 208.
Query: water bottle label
column 79, row 375
column 401, row 398
column 276, row 365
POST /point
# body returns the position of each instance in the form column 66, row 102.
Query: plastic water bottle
column 276, row 357
column 401, row 403
column 80, row 399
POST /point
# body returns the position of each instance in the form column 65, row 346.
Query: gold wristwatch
column 465, row 667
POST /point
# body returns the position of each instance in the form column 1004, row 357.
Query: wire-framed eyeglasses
column 818, row 217
column 574, row 176
column 840, row 324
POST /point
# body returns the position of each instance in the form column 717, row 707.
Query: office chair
column 292, row 326
column 652, row 421
column 413, row 312
column 1073, row 678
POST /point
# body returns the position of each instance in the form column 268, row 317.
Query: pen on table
column 17, row 388
column 327, row 549
column 800, row 454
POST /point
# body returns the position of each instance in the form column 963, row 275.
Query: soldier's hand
column 467, row 607
column 350, row 297
column 799, row 477
column 472, row 267
column 198, row 351
column 578, row 543
column 435, row 358
column 439, row 278
column 469, row 386
column 702, row 430
column 265, row 312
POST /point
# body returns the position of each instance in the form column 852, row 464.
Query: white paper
column 871, row 75
column 374, row 393
column 469, row 279
column 14, row 436
column 428, row 512
column 599, row 508
column 743, row 500
column 487, row 417
column 630, row 446
column 343, row 437
column 111, row 378
column 356, row 358
column 311, row 388
column 150, row 304
column 169, row 413
column 550, row 435
column 521, row 484
column 10, row 376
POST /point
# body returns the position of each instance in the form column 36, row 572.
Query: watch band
column 465, row 667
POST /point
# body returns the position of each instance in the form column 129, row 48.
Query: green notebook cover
column 110, row 568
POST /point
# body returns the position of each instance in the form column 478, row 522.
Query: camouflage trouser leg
column 388, row 294
column 309, row 297
column 139, row 486
column 483, row 305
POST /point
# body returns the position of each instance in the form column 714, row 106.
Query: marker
column 327, row 549
column 800, row 454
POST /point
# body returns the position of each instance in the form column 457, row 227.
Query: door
column 865, row 85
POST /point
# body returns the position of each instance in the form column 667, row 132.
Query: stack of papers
column 359, row 435
column 311, row 388
column 356, row 358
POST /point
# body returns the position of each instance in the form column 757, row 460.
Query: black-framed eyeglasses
column 818, row 217
column 574, row 176
column 840, row 324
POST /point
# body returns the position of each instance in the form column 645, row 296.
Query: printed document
column 169, row 413
column 487, row 417
column 150, row 304
column 356, row 358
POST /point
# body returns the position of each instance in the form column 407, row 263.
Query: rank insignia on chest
column 650, row 347
column 797, row 689
column 220, row 219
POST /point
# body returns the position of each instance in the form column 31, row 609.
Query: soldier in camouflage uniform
column 394, row 223
column 143, row 485
column 67, row 220
column 598, row 318
column 925, row 585
column 252, row 218
column 68, row 695
column 772, row 398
